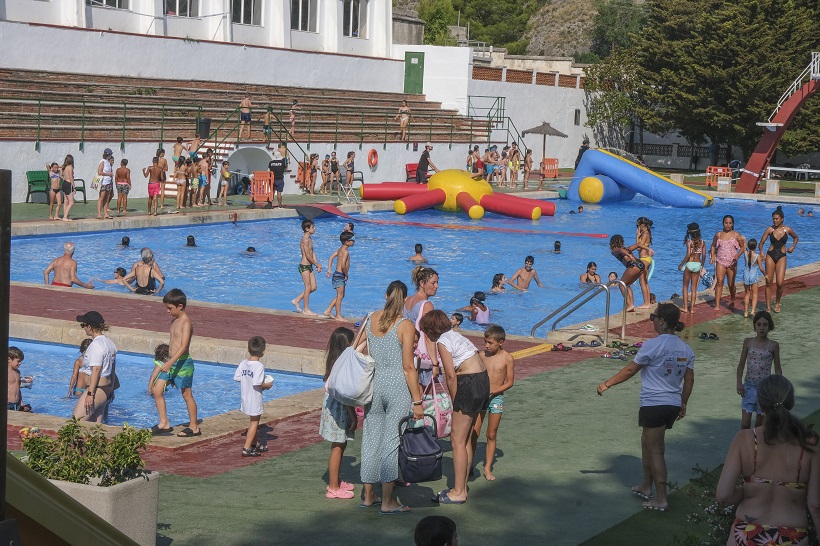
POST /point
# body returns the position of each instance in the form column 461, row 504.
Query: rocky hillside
column 559, row 29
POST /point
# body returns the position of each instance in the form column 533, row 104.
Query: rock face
column 561, row 28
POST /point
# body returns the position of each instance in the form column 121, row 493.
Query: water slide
column 605, row 177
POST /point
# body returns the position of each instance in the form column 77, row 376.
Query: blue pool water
column 214, row 389
column 218, row 270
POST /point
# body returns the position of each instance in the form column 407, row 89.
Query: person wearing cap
column 424, row 164
column 339, row 278
column 104, row 171
column 99, row 365
column 65, row 269
column 277, row 166
column 584, row 147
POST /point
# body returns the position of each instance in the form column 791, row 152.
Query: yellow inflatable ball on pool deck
column 455, row 181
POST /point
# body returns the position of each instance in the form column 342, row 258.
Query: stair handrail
column 796, row 84
column 597, row 288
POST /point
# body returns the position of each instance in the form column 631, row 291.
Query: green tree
column 438, row 15
column 615, row 24
column 501, row 23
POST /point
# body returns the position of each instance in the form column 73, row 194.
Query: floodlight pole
column 8, row 528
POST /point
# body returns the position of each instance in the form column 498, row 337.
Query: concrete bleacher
column 64, row 106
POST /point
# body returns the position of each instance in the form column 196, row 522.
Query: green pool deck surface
column 565, row 463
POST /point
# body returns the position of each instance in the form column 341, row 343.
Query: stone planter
column 130, row 506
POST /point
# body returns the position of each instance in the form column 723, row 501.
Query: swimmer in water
column 418, row 259
column 522, row 278
column 250, row 249
column 499, row 280
column 557, row 247
column 190, row 241
column 125, row 242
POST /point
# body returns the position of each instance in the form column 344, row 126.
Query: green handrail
column 37, row 144
column 82, row 130
column 124, row 119
column 361, row 132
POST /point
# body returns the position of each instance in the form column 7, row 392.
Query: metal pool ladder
column 590, row 292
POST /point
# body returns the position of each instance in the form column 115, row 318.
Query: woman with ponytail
column 667, row 366
column 396, row 394
column 780, row 466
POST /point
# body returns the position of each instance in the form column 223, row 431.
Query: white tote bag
column 351, row 379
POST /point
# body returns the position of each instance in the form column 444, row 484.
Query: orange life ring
column 373, row 158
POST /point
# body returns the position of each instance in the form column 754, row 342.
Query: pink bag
column 437, row 405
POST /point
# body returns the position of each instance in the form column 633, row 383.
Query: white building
column 357, row 27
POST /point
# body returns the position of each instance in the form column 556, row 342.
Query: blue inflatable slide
column 603, row 177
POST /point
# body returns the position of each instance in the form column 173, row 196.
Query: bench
column 411, row 169
column 38, row 182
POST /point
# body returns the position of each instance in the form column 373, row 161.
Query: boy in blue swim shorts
column 178, row 368
column 500, row 367
column 339, row 278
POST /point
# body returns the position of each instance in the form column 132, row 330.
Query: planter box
column 130, row 506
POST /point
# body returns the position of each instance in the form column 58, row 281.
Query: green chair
column 38, row 182
column 79, row 186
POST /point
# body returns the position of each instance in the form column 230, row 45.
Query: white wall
column 20, row 157
column 529, row 105
column 91, row 52
column 446, row 73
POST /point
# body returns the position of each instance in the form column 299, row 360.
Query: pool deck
column 205, row 476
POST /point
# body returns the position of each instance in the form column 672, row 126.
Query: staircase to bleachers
column 37, row 106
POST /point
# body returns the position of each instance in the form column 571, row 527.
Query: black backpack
column 419, row 452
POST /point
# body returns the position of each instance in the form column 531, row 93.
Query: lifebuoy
column 373, row 158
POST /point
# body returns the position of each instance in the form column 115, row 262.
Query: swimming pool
column 466, row 258
column 214, row 389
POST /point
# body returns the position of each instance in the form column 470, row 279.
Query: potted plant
column 107, row 476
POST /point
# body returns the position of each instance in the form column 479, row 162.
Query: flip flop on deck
column 188, row 433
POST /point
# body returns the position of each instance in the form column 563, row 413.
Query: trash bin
column 204, row 128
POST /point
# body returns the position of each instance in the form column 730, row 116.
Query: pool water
column 466, row 253
column 214, row 389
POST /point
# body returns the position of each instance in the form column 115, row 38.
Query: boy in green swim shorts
column 178, row 368
column 500, row 367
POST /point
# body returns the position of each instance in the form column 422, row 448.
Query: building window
column 247, row 12
column 354, row 18
column 118, row 4
column 303, row 15
column 577, row 116
column 182, row 8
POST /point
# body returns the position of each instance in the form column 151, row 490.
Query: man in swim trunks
column 306, row 267
column 501, row 368
column 179, row 368
column 245, row 116
column 153, row 174
column 522, row 278
column 277, row 166
column 178, row 147
column 65, row 269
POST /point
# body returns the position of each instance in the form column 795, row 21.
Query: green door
column 414, row 72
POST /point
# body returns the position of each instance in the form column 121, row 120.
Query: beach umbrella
column 546, row 130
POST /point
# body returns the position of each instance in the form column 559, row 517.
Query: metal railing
column 439, row 127
column 590, row 292
column 812, row 71
column 480, row 49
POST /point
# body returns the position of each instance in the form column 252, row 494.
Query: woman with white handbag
column 396, row 391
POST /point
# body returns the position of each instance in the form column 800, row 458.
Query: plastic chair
column 261, row 189
column 38, row 182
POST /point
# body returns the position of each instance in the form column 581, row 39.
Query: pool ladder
column 590, row 292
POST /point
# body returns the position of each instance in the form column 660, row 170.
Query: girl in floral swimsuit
column 781, row 473
column 758, row 355
column 727, row 247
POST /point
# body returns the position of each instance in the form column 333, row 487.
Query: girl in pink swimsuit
column 727, row 247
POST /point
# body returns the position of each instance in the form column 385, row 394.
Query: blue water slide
column 603, row 177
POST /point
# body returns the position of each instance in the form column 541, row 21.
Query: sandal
column 713, row 336
column 703, row 335
column 581, row 343
column 594, row 343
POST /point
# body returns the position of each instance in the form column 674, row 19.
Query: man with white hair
column 65, row 270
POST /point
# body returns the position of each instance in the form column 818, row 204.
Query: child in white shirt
column 251, row 376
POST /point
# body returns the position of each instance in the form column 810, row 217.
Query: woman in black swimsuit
column 590, row 276
column 334, row 171
column 634, row 268
column 778, row 235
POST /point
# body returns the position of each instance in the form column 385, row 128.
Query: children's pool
column 214, row 389
column 466, row 253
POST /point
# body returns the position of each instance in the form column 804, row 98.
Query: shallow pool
column 466, row 254
column 214, row 389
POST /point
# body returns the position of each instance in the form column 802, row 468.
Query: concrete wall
column 446, row 73
column 20, row 157
column 407, row 28
column 530, row 105
column 95, row 52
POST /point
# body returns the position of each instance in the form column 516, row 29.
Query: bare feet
column 488, row 475
column 777, row 307
column 67, row 220
column 630, row 309
column 296, row 304
column 309, row 313
column 717, row 307
column 341, row 319
column 645, row 306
